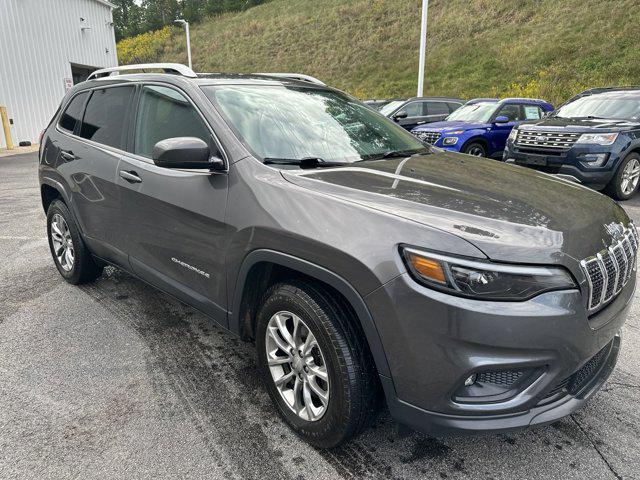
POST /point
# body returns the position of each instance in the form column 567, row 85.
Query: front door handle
column 131, row 177
column 67, row 155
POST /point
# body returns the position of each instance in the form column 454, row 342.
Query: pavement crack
column 595, row 446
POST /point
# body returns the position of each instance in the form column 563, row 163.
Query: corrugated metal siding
column 39, row 40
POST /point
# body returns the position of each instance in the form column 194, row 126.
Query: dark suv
column 593, row 139
column 420, row 110
column 469, row 294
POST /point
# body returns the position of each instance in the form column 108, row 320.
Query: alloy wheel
column 62, row 242
column 476, row 151
column 630, row 176
column 297, row 366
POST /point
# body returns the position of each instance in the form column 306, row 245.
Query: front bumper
column 434, row 342
column 569, row 164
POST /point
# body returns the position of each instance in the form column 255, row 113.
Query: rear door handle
column 131, row 177
column 67, row 155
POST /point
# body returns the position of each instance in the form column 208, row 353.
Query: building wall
column 39, row 40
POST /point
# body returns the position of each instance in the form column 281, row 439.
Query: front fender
column 321, row 274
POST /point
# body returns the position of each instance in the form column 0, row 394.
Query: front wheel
column 476, row 149
column 317, row 368
column 625, row 182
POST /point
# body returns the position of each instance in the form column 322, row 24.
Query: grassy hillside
column 544, row 48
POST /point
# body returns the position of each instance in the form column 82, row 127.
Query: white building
column 45, row 47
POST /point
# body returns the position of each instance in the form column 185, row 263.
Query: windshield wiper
column 306, row 162
column 401, row 153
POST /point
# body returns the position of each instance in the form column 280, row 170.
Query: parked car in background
column 593, row 139
column 419, row 110
column 481, row 126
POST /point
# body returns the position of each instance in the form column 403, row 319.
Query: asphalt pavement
column 117, row 380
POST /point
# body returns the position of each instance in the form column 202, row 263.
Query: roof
column 105, row 2
column 507, row 100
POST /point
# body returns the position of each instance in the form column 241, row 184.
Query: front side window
column 414, row 109
column 612, row 105
column 105, row 116
column 478, row 112
column 297, row 122
column 511, row 111
column 165, row 113
column 73, row 113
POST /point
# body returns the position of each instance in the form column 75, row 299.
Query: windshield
column 284, row 122
column 478, row 112
column 602, row 106
column 390, row 107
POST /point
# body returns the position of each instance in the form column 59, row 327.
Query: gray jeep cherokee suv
column 470, row 295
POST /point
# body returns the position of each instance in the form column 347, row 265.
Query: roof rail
column 174, row 68
column 295, row 76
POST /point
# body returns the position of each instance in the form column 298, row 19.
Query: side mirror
column 400, row 115
column 501, row 119
column 185, row 152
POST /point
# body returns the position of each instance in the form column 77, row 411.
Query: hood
column 581, row 124
column 511, row 213
column 444, row 127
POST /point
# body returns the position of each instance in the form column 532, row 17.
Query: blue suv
column 481, row 126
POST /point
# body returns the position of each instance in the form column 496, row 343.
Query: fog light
column 450, row 140
column 471, row 380
column 593, row 159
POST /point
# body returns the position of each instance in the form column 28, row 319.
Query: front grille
column 504, row 378
column 429, row 137
column 545, row 141
column 609, row 270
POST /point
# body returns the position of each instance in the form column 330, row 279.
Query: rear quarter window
column 73, row 113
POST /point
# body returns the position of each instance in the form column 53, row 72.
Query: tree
column 127, row 19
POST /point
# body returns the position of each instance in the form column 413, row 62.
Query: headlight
column 513, row 134
column 449, row 140
column 598, row 138
column 484, row 280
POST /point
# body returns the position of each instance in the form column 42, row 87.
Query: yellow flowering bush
column 144, row 48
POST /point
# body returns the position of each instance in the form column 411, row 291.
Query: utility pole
column 423, row 47
column 185, row 24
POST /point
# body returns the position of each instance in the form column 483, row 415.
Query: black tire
column 354, row 398
column 85, row 268
column 614, row 187
column 476, row 149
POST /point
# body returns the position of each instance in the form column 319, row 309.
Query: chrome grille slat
column 429, row 137
column 609, row 270
column 541, row 140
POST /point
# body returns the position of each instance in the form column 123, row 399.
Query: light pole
column 185, row 24
column 423, row 47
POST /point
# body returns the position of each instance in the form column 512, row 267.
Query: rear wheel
column 476, row 149
column 624, row 183
column 318, row 370
column 72, row 258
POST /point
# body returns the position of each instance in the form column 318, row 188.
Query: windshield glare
column 287, row 122
column 390, row 107
column 478, row 112
column 602, row 106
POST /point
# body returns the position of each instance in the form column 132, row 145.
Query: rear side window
column 165, row 113
column 437, row 108
column 73, row 113
column 532, row 112
column 105, row 116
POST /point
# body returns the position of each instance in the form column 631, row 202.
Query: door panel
column 174, row 220
column 175, row 231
